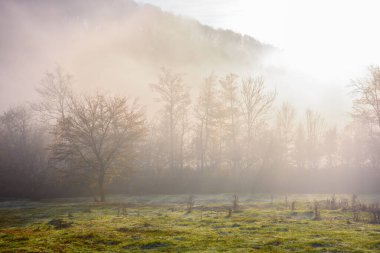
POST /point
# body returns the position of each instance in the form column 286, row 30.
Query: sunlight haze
column 189, row 126
column 328, row 42
column 329, row 37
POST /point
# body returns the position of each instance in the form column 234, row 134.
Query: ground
column 162, row 224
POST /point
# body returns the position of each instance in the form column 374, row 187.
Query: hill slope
column 116, row 45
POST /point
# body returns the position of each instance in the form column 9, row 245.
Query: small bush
column 59, row 223
column 293, row 205
column 286, row 201
column 374, row 209
column 317, row 213
column 190, row 204
column 235, row 203
column 229, row 214
column 331, row 203
column 353, row 200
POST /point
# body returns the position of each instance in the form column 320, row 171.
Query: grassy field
column 162, row 224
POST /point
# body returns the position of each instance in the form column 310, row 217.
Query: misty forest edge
column 226, row 137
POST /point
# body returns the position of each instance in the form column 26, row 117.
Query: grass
column 161, row 224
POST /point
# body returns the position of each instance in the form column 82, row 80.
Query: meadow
column 177, row 223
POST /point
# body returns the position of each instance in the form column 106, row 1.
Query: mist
column 120, row 46
column 115, row 46
column 129, row 126
column 125, row 48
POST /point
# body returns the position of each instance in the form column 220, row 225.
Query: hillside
column 113, row 45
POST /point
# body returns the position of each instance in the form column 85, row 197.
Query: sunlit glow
column 333, row 37
column 328, row 43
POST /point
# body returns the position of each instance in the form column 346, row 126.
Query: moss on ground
column 166, row 227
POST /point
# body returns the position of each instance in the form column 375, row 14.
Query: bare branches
column 286, row 122
column 55, row 91
column 255, row 101
column 98, row 135
column 315, row 125
column 174, row 95
column 366, row 92
column 205, row 114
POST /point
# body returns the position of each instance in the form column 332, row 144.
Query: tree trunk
column 101, row 193
column 101, row 188
column 201, row 146
column 171, row 138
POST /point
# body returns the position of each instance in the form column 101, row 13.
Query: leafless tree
column 285, row 121
column 229, row 98
column 366, row 110
column 300, row 147
column 22, row 152
column 205, row 113
column 366, row 91
column 315, row 126
column 255, row 104
column 330, row 147
column 97, row 138
column 55, row 91
column 285, row 126
column 174, row 95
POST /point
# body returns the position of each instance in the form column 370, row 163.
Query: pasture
column 164, row 223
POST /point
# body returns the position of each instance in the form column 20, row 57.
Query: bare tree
column 366, row 110
column 23, row 156
column 205, row 114
column 366, row 91
column 285, row 122
column 330, row 147
column 184, row 126
column 255, row 104
column 229, row 97
column 97, row 138
column 55, row 91
column 315, row 127
column 174, row 95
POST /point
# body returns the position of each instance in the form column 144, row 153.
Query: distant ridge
column 112, row 42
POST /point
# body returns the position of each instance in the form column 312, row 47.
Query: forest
column 227, row 137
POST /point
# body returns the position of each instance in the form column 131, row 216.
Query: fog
column 118, row 46
column 218, row 108
column 121, row 44
column 326, row 43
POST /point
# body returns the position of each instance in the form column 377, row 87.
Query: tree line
column 228, row 136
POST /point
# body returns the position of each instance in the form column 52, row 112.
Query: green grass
column 160, row 224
